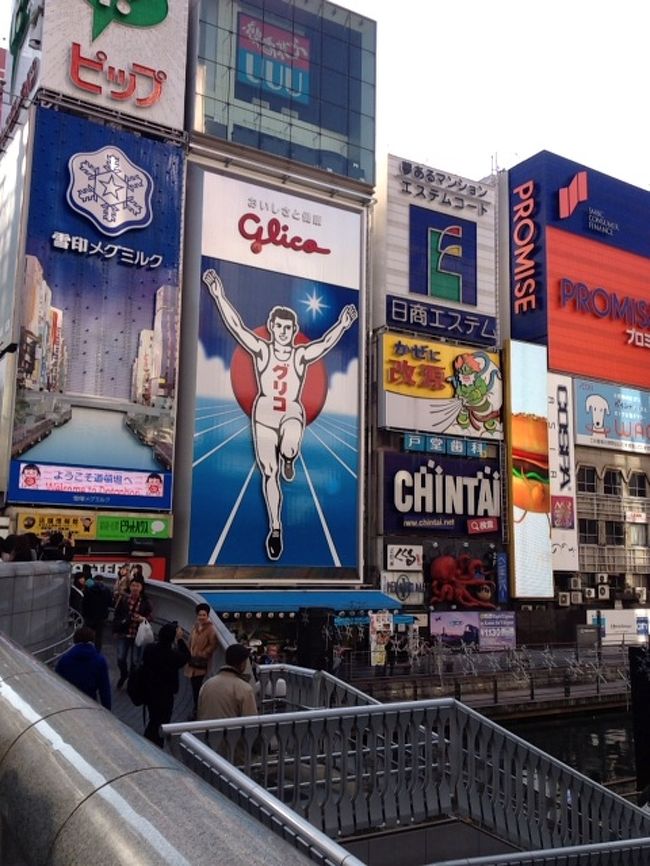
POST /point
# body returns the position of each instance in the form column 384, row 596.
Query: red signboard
column 150, row 567
column 598, row 310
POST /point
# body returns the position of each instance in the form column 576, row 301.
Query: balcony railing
column 358, row 769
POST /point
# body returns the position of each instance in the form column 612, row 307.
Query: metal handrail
column 362, row 768
column 610, row 853
column 287, row 823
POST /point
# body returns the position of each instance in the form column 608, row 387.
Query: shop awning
column 349, row 601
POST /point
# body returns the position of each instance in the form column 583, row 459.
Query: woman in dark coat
column 162, row 661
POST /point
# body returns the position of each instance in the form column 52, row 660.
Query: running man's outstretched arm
column 316, row 349
column 231, row 318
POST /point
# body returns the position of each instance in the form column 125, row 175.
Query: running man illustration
column 278, row 415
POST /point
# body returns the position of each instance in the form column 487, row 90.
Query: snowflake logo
column 110, row 190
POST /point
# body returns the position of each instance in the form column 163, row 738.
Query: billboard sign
column 438, row 388
column 486, row 631
column 404, row 557
column 441, row 493
column 562, row 474
column 273, row 59
column 149, row 567
column 612, row 416
column 98, row 345
column 580, row 266
column 277, row 417
column 94, row 525
column 126, row 57
column 434, row 280
column 529, row 482
column 407, row 587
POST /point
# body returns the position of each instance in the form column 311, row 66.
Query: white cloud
column 210, row 373
column 343, row 394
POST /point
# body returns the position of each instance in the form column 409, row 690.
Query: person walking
column 85, row 667
column 161, row 663
column 228, row 694
column 95, row 606
column 130, row 611
column 203, row 643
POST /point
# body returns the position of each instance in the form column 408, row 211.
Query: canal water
column 94, row 437
column 599, row 745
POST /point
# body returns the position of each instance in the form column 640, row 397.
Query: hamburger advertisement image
column 530, row 479
column 530, row 489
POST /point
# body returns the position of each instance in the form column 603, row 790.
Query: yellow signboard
column 439, row 388
column 81, row 524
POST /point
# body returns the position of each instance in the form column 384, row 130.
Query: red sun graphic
column 244, row 380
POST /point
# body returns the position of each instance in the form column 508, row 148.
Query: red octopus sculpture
column 452, row 578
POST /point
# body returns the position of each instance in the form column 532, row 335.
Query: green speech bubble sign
column 133, row 13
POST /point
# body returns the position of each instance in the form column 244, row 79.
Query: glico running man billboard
column 98, row 346
column 437, row 254
column 580, row 268
column 276, row 461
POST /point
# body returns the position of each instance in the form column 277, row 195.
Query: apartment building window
column 638, row 534
column 614, row 532
column 613, row 482
column 588, row 531
column 638, row 485
column 586, row 479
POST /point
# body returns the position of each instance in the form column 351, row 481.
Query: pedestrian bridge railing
column 358, row 769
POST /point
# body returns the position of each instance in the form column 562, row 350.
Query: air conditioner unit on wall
column 576, row 598
column 641, row 593
column 602, row 577
column 564, row 599
column 574, row 583
column 589, row 592
column 603, row 591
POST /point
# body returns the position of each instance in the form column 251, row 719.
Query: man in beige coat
column 203, row 643
column 228, row 694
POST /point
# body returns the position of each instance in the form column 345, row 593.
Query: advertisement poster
column 455, row 629
column 612, row 416
column 380, row 628
column 276, row 460
column 446, row 494
column 98, row 347
column 438, row 388
column 437, row 255
column 95, row 525
column 529, row 482
column 123, row 56
column 562, row 474
column 486, row 631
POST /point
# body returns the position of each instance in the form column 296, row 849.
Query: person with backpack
column 161, row 663
column 97, row 600
column 85, row 667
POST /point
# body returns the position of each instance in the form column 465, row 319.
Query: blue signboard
column 98, row 351
column 447, row 494
column 550, row 191
column 612, row 416
column 433, row 320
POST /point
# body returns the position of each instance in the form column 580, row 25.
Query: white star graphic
column 111, row 187
column 314, row 303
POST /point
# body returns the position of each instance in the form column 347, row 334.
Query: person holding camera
column 161, row 663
